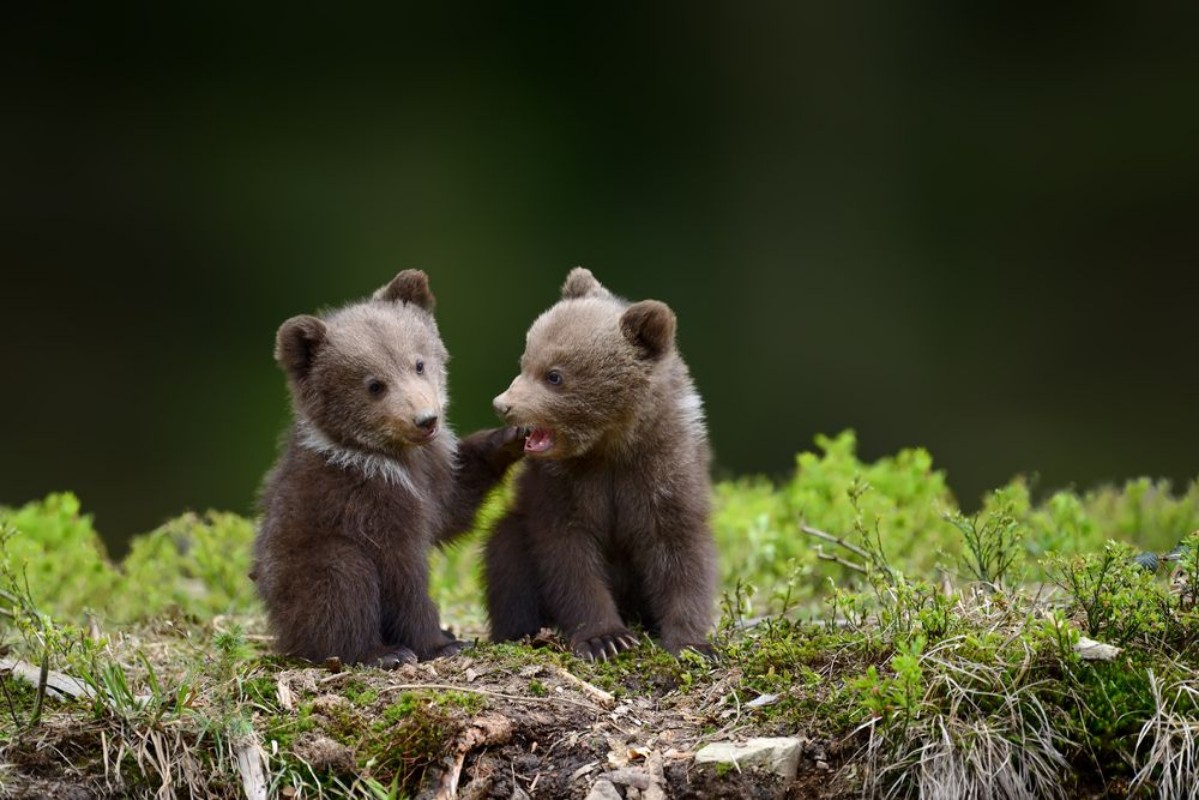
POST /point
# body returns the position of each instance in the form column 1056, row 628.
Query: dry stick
column 482, row 732
column 599, row 695
column 823, row 556
column 59, row 683
column 448, row 788
column 828, row 537
column 445, row 687
column 249, row 757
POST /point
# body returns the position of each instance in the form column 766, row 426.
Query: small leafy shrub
column 1115, row 599
column 1142, row 512
column 1185, row 578
column 53, row 546
column 900, row 501
column 196, row 565
column 992, row 540
column 895, row 698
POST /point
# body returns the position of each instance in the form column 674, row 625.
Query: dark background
column 970, row 226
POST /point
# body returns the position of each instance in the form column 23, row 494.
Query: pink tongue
column 540, row 440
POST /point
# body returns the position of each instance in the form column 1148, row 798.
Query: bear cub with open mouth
column 609, row 526
column 369, row 479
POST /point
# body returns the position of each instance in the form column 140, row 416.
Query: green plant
column 55, row 549
column 194, row 565
column 993, row 539
column 897, row 696
column 1115, row 598
column 967, row 688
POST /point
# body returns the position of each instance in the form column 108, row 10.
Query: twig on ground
column 594, row 692
column 56, row 682
column 249, row 757
column 490, row 729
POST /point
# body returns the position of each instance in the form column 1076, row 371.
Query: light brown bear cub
column 610, row 522
column 369, row 479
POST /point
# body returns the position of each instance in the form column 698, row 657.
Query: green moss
column 284, row 728
column 359, row 693
column 467, row 702
column 411, row 736
column 18, row 704
column 1105, row 707
column 644, row 670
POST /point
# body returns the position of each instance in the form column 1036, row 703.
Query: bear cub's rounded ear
column 409, row 286
column 581, row 283
column 650, row 325
column 297, row 343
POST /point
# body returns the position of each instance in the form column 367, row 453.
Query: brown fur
column 610, row 525
column 369, row 478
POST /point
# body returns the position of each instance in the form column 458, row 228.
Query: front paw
column 602, row 646
column 452, row 649
column 509, row 443
column 392, row 658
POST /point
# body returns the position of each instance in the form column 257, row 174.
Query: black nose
column 426, row 420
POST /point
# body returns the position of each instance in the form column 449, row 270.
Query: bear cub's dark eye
column 554, row 377
column 420, row 367
column 376, row 387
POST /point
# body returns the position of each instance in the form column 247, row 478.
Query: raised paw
column 509, row 443
column 393, row 658
column 603, row 646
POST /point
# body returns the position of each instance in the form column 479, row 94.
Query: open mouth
column 539, row 440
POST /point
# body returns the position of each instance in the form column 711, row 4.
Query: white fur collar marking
column 370, row 465
column 692, row 409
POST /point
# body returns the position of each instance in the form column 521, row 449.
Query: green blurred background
column 970, row 227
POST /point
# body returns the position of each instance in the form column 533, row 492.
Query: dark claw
column 604, row 647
